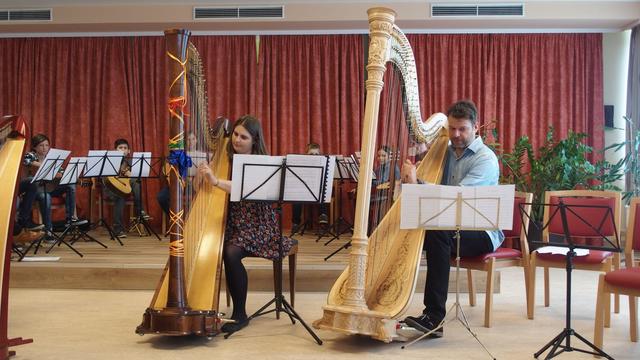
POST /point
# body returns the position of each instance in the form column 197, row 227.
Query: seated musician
column 469, row 162
column 119, row 197
column 40, row 146
column 252, row 228
column 296, row 226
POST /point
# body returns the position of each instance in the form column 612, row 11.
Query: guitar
column 120, row 186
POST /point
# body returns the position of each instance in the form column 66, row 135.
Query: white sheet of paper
column 305, row 177
column 197, row 158
column 435, row 206
column 140, row 164
column 561, row 250
column 261, row 176
column 74, row 169
column 51, row 165
column 97, row 165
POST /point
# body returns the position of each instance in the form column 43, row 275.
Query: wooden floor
column 138, row 264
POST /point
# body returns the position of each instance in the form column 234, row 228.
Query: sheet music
column 140, row 164
column 103, row 163
column 74, row 169
column 561, row 250
column 307, row 176
column 51, row 165
column 434, row 207
column 197, row 158
column 261, row 176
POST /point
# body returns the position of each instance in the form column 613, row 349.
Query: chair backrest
column 517, row 229
column 584, row 221
column 633, row 231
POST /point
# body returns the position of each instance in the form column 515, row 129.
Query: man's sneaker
column 295, row 228
column 77, row 222
column 323, row 219
column 121, row 234
column 425, row 324
column 144, row 215
column 49, row 238
column 31, row 226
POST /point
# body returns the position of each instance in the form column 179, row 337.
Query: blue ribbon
column 180, row 159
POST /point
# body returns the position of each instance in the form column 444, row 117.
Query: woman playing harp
column 376, row 288
column 186, row 299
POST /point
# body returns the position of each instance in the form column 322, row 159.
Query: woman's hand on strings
column 205, row 171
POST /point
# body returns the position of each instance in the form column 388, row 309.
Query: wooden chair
column 597, row 260
column 277, row 274
column 513, row 252
column 622, row 282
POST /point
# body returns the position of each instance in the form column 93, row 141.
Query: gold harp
column 186, row 299
column 13, row 133
column 378, row 284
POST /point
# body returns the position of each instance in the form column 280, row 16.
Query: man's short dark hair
column 119, row 142
column 464, row 109
column 312, row 145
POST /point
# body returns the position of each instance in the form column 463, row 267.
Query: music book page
column 140, row 164
column 51, row 165
column 308, row 178
column 435, row 207
column 256, row 177
column 103, row 163
column 74, row 169
column 561, row 250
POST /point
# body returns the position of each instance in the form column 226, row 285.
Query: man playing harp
column 469, row 162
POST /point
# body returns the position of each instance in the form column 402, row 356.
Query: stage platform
column 139, row 263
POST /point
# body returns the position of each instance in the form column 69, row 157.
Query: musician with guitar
column 40, row 146
column 118, row 188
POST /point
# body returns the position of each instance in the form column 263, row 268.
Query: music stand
column 262, row 178
column 46, row 173
column 562, row 210
column 441, row 207
column 74, row 169
column 143, row 165
column 102, row 163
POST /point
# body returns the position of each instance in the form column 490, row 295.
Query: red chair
column 597, row 260
column 513, row 252
column 625, row 281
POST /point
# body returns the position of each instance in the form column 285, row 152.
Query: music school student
column 311, row 149
column 119, row 188
column 43, row 191
column 251, row 228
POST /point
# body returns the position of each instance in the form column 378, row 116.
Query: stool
column 277, row 272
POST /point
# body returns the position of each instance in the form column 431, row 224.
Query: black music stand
column 471, row 208
column 103, row 163
column 46, row 173
column 145, row 166
column 275, row 194
column 70, row 177
column 561, row 210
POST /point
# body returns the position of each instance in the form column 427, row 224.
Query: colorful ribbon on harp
column 180, row 159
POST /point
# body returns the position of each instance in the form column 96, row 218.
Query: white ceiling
column 319, row 16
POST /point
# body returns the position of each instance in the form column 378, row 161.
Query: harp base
column 351, row 321
column 179, row 322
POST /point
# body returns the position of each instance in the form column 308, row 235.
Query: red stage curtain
column 311, row 89
column 526, row 82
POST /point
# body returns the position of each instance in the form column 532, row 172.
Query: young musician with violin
column 40, row 146
column 118, row 188
column 252, row 228
column 469, row 162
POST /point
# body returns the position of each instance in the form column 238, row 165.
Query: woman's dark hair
column 38, row 139
column 253, row 126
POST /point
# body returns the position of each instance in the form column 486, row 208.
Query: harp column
column 380, row 28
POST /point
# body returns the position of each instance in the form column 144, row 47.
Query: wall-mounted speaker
column 608, row 116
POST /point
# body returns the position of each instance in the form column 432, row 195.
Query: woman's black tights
column 237, row 280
